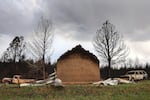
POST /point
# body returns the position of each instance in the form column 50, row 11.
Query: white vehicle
column 136, row 75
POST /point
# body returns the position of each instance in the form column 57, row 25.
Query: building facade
column 78, row 66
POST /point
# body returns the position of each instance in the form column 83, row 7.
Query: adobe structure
column 78, row 66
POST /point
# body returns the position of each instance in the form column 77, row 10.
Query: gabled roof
column 81, row 51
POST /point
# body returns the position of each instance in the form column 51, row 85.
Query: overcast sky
column 76, row 21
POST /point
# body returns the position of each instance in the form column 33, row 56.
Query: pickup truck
column 17, row 79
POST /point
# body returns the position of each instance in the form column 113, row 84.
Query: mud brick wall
column 78, row 69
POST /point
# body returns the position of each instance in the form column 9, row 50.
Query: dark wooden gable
column 80, row 51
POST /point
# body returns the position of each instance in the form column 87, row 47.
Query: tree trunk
column 44, row 74
column 109, row 68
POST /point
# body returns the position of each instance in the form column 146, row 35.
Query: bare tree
column 109, row 45
column 41, row 45
column 14, row 52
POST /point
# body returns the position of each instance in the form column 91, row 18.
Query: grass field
column 137, row 91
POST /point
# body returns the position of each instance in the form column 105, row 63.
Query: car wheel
column 144, row 78
column 7, row 83
column 132, row 79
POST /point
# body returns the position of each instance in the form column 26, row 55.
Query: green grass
column 137, row 91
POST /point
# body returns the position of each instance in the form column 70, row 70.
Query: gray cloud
column 85, row 16
column 80, row 17
column 17, row 16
